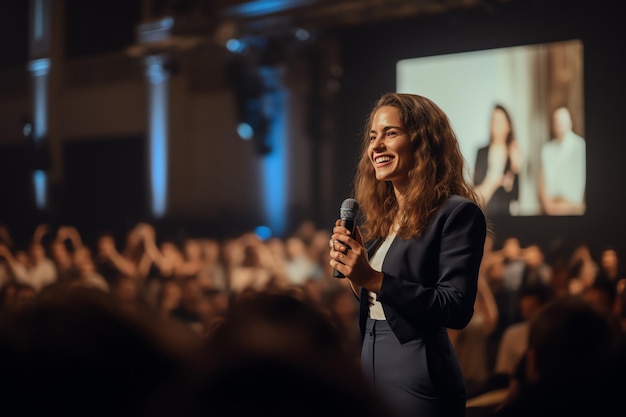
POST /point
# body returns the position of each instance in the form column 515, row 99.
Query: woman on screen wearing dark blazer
column 496, row 171
column 416, row 274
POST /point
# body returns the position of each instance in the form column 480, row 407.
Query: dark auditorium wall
column 101, row 94
column 104, row 186
column 370, row 54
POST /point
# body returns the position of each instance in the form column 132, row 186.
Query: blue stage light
column 263, row 232
column 245, row 131
column 235, row 45
column 39, row 181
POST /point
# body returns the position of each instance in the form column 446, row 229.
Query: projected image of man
column 563, row 169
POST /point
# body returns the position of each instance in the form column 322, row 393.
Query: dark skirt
column 400, row 372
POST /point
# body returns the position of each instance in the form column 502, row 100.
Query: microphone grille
column 349, row 209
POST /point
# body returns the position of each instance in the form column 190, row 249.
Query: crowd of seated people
column 193, row 279
column 570, row 307
column 177, row 328
column 193, row 284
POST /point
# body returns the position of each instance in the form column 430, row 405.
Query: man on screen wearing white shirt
column 563, row 169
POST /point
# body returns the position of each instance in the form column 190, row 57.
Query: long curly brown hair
column 438, row 170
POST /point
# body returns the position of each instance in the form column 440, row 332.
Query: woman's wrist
column 375, row 283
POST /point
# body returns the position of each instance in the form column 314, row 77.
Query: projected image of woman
column 496, row 171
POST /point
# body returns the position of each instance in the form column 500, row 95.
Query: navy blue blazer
column 430, row 281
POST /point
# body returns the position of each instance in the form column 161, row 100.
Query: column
column 39, row 67
column 274, row 164
column 157, row 78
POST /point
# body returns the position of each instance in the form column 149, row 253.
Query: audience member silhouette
column 299, row 267
column 569, row 364
column 344, row 311
column 583, row 269
column 514, row 340
column 603, row 295
column 212, row 274
column 76, row 353
column 536, row 271
column 610, row 269
column 279, row 355
column 505, row 274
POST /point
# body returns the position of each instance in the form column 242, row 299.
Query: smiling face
column 390, row 149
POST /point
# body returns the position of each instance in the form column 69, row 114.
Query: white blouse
column 376, row 311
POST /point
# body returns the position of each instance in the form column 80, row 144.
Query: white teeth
column 381, row 159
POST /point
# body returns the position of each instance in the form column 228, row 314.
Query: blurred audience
column 243, row 298
column 32, row 267
column 471, row 342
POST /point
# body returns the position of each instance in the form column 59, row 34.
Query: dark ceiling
column 199, row 21
column 337, row 13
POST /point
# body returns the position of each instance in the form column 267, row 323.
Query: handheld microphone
column 347, row 213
